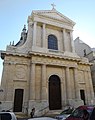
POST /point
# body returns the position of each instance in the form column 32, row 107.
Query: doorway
column 82, row 95
column 18, row 100
column 54, row 93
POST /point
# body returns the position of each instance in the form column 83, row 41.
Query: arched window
column 52, row 42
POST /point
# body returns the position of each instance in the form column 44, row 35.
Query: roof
column 87, row 107
column 53, row 14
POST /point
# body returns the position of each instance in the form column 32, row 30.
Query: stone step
column 20, row 115
column 53, row 113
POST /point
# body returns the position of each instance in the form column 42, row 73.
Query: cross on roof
column 53, row 5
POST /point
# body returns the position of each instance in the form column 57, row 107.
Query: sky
column 14, row 14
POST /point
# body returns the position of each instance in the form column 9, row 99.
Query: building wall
column 30, row 65
column 80, row 46
column 16, row 73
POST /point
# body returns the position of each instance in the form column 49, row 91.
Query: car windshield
column 79, row 113
column 5, row 116
column 67, row 111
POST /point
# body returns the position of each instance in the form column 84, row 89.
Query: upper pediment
column 53, row 14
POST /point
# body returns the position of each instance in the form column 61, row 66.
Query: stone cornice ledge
column 54, row 56
column 3, row 53
column 85, row 63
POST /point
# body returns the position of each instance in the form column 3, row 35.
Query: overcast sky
column 14, row 14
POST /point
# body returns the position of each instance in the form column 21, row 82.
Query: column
column 43, row 90
column 72, row 42
column 64, row 40
column 32, row 82
column 5, row 78
column 63, row 87
column 77, row 91
column 29, row 36
column 87, row 87
column 34, row 33
column 44, row 34
column 90, row 84
column 68, row 83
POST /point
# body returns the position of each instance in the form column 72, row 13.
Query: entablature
column 53, row 22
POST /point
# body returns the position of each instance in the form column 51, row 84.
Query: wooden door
column 54, row 93
column 18, row 100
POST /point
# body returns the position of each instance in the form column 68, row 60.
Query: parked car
column 42, row 118
column 7, row 116
column 78, row 113
column 64, row 114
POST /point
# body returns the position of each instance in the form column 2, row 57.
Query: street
column 22, row 118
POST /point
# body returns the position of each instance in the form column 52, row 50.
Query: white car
column 62, row 117
column 7, row 116
column 42, row 118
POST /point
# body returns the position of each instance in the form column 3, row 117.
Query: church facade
column 42, row 70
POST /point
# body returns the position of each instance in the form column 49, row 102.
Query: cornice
column 39, row 12
column 30, row 54
column 4, row 53
column 61, row 57
column 53, row 18
column 54, row 56
column 52, row 22
column 85, row 63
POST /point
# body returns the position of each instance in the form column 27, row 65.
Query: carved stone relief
column 20, row 72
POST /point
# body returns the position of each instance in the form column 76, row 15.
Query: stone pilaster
column 63, row 87
column 64, row 40
column 32, row 82
column 72, row 42
column 34, row 33
column 30, row 35
column 77, row 91
column 87, row 90
column 90, row 85
column 44, row 34
column 4, row 81
column 68, row 83
column 43, row 91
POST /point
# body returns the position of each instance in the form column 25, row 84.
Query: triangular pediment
column 54, row 15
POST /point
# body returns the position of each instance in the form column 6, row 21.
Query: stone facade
column 84, row 50
column 42, row 70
